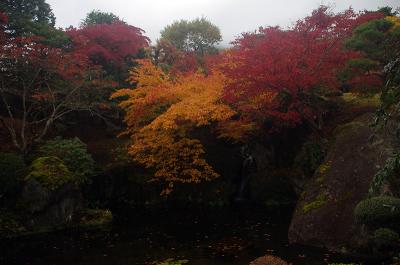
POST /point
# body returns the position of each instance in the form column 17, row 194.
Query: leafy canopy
column 26, row 17
column 198, row 35
column 275, row 74
column 161, row 115
column 96, row 17
column 74, row 155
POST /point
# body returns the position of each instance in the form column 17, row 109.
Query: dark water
column 192, row 234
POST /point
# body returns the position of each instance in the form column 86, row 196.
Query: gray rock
column 50, row 208
column 324, row 214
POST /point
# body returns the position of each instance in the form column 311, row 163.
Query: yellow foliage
column 161, row 114
column 395, row 20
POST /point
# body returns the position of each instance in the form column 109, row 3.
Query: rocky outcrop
column 47, row 208
column 268, row 260
column 324, row 215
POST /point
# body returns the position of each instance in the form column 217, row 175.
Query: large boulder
column 268, row 260
column 49, row 196
column 324, row 215
column 46, row 208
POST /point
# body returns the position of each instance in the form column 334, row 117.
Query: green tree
column 32, row 18
column 198, row 35
column 388, row 11
column 96, row 17
column 379, row 43
column 73, row 153
column 27, row 16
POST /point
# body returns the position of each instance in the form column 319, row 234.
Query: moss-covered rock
column 310, row 157
column 378, row 211
column 324, row 215
column 319, row 201
column 50, row 172
column 95, row 218
column 51, row 195
column 170, row 262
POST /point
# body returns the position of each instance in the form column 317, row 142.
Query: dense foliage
column 96, row 17
column 50, row 172
column 379, row 42
column 378, row 211
column 271, row 80
column 161, row 113
column 276, row 74
column 198, row 35
column 74, row 155
column 386, row 175
column 42, row 83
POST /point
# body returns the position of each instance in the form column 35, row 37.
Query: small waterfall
column 248, row 166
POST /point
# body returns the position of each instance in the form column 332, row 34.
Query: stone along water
column 233, row 236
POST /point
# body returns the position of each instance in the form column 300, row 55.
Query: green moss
column 170, row 262
column 50, row 171
column 74, row 155
column 96, row 217
column 362, row 100
column 324, row 167
column 378, row 211
column 310, row 157
column 384, row 237
column 319, row 201
column 320, row 180
column 348, row 128
column 389, row 173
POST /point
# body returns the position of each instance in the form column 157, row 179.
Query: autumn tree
column 276, row 75
column 111, row 46
column 162, row 113
column 39, row 85
column 172, row 60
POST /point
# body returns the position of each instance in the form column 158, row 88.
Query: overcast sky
column 231, row 16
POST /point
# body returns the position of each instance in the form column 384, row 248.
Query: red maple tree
column 275, row 72
column 108, row 43
column 39, row 85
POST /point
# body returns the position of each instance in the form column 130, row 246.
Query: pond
column 233, row 236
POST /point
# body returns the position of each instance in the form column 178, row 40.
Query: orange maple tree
column 161, row 114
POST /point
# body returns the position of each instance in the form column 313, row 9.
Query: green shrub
column 51, row 172
column 388, row 173
column 11, row 168
column 310, row 157
column 384, row 237
column 380, row 211
column 73, row 153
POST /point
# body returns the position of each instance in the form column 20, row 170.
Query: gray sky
column 231, row 16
